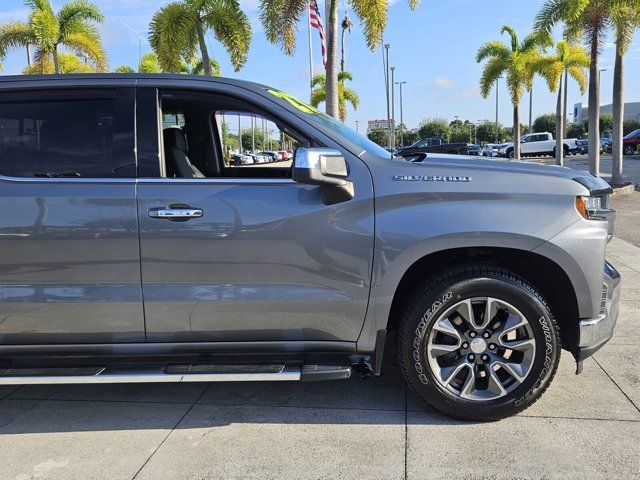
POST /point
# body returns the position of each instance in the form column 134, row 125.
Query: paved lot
column 585, row 426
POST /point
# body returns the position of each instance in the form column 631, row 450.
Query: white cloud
column 467, row 94
column 442, row 83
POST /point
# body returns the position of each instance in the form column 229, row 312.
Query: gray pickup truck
column 133, row 250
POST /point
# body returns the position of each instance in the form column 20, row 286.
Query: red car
column 630, row 142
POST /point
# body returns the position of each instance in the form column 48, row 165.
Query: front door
column 233, row 249
column 69, row 253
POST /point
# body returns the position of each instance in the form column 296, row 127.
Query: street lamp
column 385, row 61
column 401, row 118
column 393, row 108
column 497, row 108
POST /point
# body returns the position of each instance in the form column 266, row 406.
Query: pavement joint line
column 564, row 417
column 172, row 430
column 406, row 432
column 616, row 384
column 11, row 393
column 19, row 416
column 93, row 400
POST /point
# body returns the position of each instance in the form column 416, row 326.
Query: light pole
column 401, row 118
column 497, row 107
column 393, row 108
column 385, row 60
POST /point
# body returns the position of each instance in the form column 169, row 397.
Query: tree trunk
column 342, row 52
column 516, row 132
column 530, row 111
column 560, row 127
column 564, row 109
column 28, row 55
column 618, row 118
column 332, row 59
column 206, row 61
column 56, row 63
column 594, row 107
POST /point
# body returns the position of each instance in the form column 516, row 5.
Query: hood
column 505, row 165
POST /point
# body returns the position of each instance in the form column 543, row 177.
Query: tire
column 629, row 150
column 510, row 153
column 461, row 398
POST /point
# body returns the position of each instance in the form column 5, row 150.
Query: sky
column 433, row 49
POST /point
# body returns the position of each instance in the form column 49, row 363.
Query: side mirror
column 325, row 167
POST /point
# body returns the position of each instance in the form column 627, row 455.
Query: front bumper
column 595, row 332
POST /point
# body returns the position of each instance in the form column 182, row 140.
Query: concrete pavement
column 585, row 426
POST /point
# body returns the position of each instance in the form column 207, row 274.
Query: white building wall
column 631, row 111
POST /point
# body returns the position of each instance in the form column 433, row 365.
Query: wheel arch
column 548, row 277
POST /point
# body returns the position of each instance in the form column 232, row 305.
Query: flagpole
column 310, row 52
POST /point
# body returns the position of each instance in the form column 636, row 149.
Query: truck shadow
column 381, row 400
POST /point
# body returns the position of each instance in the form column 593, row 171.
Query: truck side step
column 172, row 373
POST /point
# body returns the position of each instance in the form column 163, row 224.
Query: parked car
column 258, row 158
column 283, row 155
column 241, row 159
column 490, row 150
column 113, row 271
column 630, row 142
column 583, row 146
column 474, row 150
column 433, row 145
column 606, row 145
column 538, row 145
column 272, row 156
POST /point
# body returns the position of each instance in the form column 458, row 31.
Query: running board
column 173, row 373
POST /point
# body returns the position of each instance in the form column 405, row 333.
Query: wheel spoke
column 469, row 384
column 523, row 344
column 516, row 370
column 437, row 350
column 495, row 385
column 513, row 322
column 490, row 311
column 445, row 326
column 449, row 373
column 465, row 310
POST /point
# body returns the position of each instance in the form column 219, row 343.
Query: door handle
column 179, row 213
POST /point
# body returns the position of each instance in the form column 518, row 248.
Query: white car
column 538, row 145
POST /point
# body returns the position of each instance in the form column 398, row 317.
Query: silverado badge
column 430, row 178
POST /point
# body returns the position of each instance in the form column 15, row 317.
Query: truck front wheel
column 478, row 343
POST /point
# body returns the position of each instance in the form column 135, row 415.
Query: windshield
column 330, row 122
column 633, row 134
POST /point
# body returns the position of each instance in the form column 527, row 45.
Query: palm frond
column 231, row 27
column 172, row 35
column 351, row 97
column 318, row 95
column 89, row 45
column 513, row 35
column 494, row 68
column 493, row 48
column 42, row 5
column 580, row 76
column 14, row 35
column 45, row 28
column 76, row 13
column 373, row 18
column 551, row 13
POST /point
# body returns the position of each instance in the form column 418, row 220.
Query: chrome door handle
column 183, row 213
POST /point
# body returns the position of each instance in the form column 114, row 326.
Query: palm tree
column 179, row 28
column 572, row 59
column 280, row 20
column 197, row 68
column 345, row 94
column 71, row 27
column 625, row 19
column 518, row 62
column 67, row 63
column 590, row 18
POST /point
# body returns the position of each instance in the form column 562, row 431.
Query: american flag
column 315, row 20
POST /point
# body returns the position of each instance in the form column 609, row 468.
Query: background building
column 631, row 111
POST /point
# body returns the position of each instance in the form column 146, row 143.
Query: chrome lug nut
column 492, row 346
column 465, row 345
column 471, row 357
column 472, row 334
column 486, row 334
column 485, row 358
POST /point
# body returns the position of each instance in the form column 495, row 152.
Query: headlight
column 592, row 208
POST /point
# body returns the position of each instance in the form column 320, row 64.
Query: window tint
column 70, row 137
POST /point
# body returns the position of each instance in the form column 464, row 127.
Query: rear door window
column 64, row 136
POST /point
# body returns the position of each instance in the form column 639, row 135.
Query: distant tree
column 575, row 130
column 379, row 136
column 67, row 63
column 545, row 123
column 149, row 63
column 627, row 127
column 124, row 69
column 72, row 27
column 345, row 94
column 435, row 127
column 606, row 124
column 487, row 132
column 410, row 136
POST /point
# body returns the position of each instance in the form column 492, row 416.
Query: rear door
column 69, row 253
column 261, row 258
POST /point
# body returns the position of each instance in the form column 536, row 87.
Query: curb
column 624, row 190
